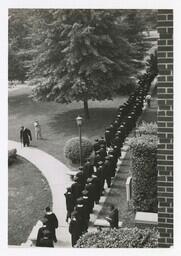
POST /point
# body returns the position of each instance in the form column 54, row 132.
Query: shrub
column 147, row 128
column 144, row 172
column 72, row 149
column 120, row 238
column 11, row 156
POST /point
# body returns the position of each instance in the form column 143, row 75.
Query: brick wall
column 165, row 127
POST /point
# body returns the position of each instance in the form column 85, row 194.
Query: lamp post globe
column 79, row 120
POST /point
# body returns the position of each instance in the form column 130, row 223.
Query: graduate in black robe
column 25, row 136
column 69, row 203
column 75, row 229
column 52, row 222
column 44, row 237
column 113, row 217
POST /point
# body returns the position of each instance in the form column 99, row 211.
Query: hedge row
column 120, row 238
column 144, row 172
column 72, row 149
column 147, row 128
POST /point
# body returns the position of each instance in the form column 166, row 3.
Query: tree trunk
column 86, row 109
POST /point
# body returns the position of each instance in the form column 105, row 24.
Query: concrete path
column 56, row 174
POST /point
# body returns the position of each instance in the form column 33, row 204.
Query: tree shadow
column 100, row 118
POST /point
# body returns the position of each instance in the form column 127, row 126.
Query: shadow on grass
column 44, row 139
column 100, row 118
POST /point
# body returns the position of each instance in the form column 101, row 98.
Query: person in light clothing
column 148, row 99
column 37, row 130
column 145, row 105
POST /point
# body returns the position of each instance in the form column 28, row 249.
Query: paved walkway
column 56, row 174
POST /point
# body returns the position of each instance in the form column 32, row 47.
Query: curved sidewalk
column 56, row 174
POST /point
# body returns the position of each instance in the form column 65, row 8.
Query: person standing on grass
column 37, row 130
column 52, row 222
column 25, row 136
column 113, row 217
column 44, row 237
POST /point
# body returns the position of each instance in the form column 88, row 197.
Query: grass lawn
column 58, row 120
column 29, row 194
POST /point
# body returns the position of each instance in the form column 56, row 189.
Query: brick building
column 165, row 127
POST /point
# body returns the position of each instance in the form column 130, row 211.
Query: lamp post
column 79, row 120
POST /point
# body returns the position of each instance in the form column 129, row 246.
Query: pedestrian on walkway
column 37, row 128
column 107, row 171
column 102, row 152
column 108, row 137
column 97, row 185
column 145, row 104
column 113, row 217
column 91, row 195
column 76, row 189
column 87, row 170
column 44, row 237
column 25, row 136
column 96, row 145
column 148, row 99
column 80, row 179
column 52, row 223
column 74, row 229
column 82, row 215
column 69, row 203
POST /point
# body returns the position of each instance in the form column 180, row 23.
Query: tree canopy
column 83, row 54
column 19, row 43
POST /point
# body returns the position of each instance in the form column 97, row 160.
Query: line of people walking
column 89, row 181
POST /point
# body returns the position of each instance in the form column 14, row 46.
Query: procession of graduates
column 90, row 180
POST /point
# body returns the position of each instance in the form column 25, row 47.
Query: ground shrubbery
column 72, row 149
column 12, row 156
column 147, row 128
column 120, row 238
column 144, row 172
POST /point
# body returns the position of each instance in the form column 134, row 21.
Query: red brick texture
column 165, row 127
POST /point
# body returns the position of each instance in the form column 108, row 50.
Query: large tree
column 19, row 43
column 84, row 54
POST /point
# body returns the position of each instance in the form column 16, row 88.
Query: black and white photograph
column 90, row 127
